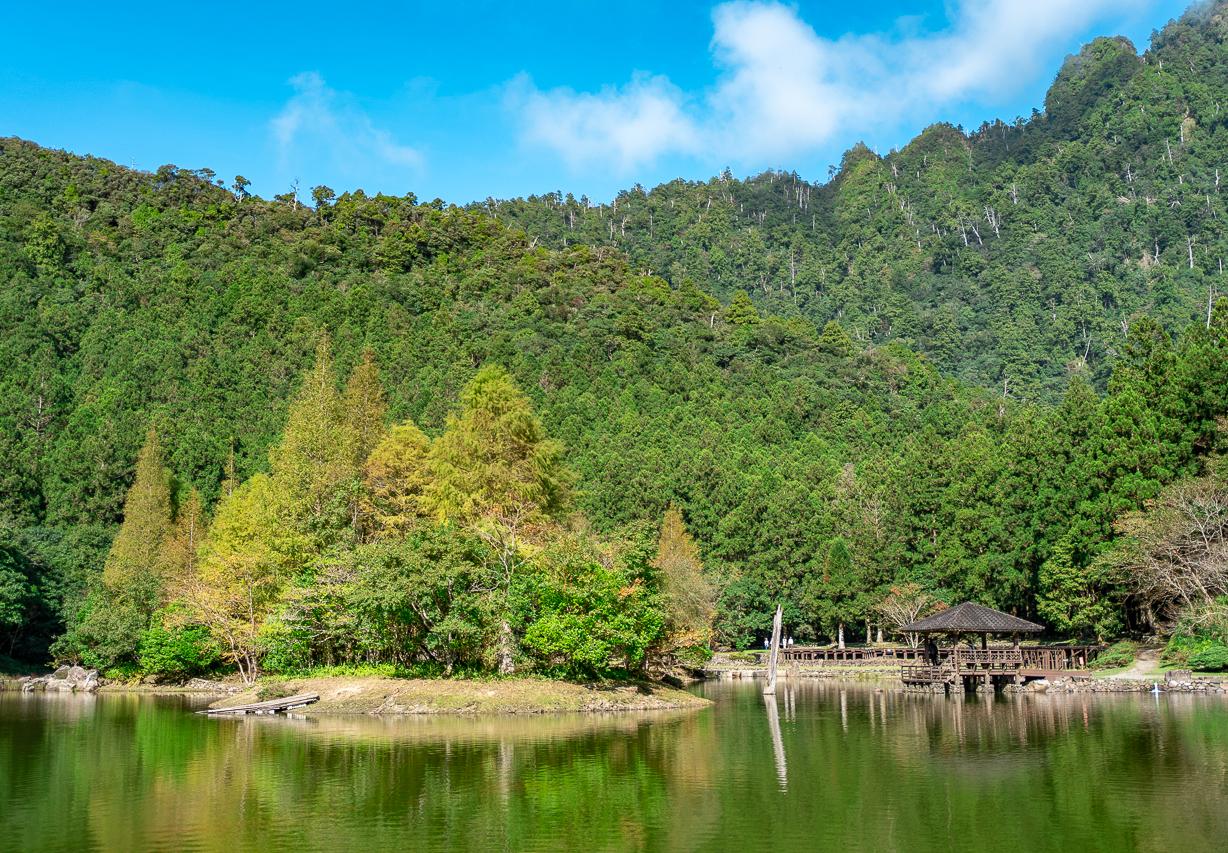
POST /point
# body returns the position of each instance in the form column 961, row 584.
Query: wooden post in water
column 778, row 744
column 775, row 652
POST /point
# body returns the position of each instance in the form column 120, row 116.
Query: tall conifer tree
column 395, row 477
column 495, row 471
column 364, row 406
column 314, row 473
column 183, row 540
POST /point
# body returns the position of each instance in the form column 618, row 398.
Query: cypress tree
column 243, row 563
column 364, row 406
column 135, row 554
column 494, row 460
column 495, row 471
column 314, row 473
column 394, row 478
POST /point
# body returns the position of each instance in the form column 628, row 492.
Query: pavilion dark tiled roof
column 972, row 619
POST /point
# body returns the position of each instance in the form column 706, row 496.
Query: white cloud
column 626, row 127
column 320, row 121
column 782, row 89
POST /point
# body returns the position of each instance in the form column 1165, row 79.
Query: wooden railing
column 1059, row 658
column 921, row 673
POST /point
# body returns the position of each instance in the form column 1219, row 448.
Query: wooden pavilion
column 964, row 664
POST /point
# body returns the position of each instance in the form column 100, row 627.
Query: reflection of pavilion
column 967, row 666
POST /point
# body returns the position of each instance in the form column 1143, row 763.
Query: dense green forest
column 574, row 438
column 1011, row 256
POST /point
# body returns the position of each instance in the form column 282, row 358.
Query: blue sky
column 467, row 100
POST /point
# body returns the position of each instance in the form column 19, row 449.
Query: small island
column 391, row 696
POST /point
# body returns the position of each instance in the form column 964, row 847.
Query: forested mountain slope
column 1013, row 255
column 847, row 436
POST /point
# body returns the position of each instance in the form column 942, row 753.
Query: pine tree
column 395, row 477
column 690, row 601
column 135, row 555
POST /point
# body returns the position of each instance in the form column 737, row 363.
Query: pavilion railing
column 1049, row 658
column 986, row 660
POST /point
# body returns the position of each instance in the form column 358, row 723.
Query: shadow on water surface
column 817, row 766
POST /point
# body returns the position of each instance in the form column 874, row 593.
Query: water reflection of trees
column 866, row 769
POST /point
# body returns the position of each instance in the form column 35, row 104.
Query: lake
column 830, row 767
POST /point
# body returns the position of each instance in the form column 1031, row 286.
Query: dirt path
column 1146, row 665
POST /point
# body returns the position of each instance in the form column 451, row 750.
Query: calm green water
column 831, row 769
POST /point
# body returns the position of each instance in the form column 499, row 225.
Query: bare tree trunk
column 775, row 651
column 840, row 636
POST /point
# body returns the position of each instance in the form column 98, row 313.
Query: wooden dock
column 272, row 706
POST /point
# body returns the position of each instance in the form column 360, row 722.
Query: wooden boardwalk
column 272, row 706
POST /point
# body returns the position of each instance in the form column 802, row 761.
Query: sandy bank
column 341, row 695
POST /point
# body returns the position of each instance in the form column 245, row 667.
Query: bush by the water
column 1201, row 653
column 176, row 652
column 1117, row 655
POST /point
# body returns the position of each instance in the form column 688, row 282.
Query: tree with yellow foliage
column 690, row 600
column 183, row 540
column 314, row 473
column 243, row 566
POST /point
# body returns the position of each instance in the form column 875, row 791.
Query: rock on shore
column 1137, row 685
column 68, row 679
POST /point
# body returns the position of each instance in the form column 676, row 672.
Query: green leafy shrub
column 591, row 617
column 1119, row 654
column 124, row 671
column 694, row 657
column 1212, row 657
column 286, row 649
column 1200, row 652
column 176, row 652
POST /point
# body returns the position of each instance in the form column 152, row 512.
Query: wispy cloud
column 319, row 122
column 781, row 89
